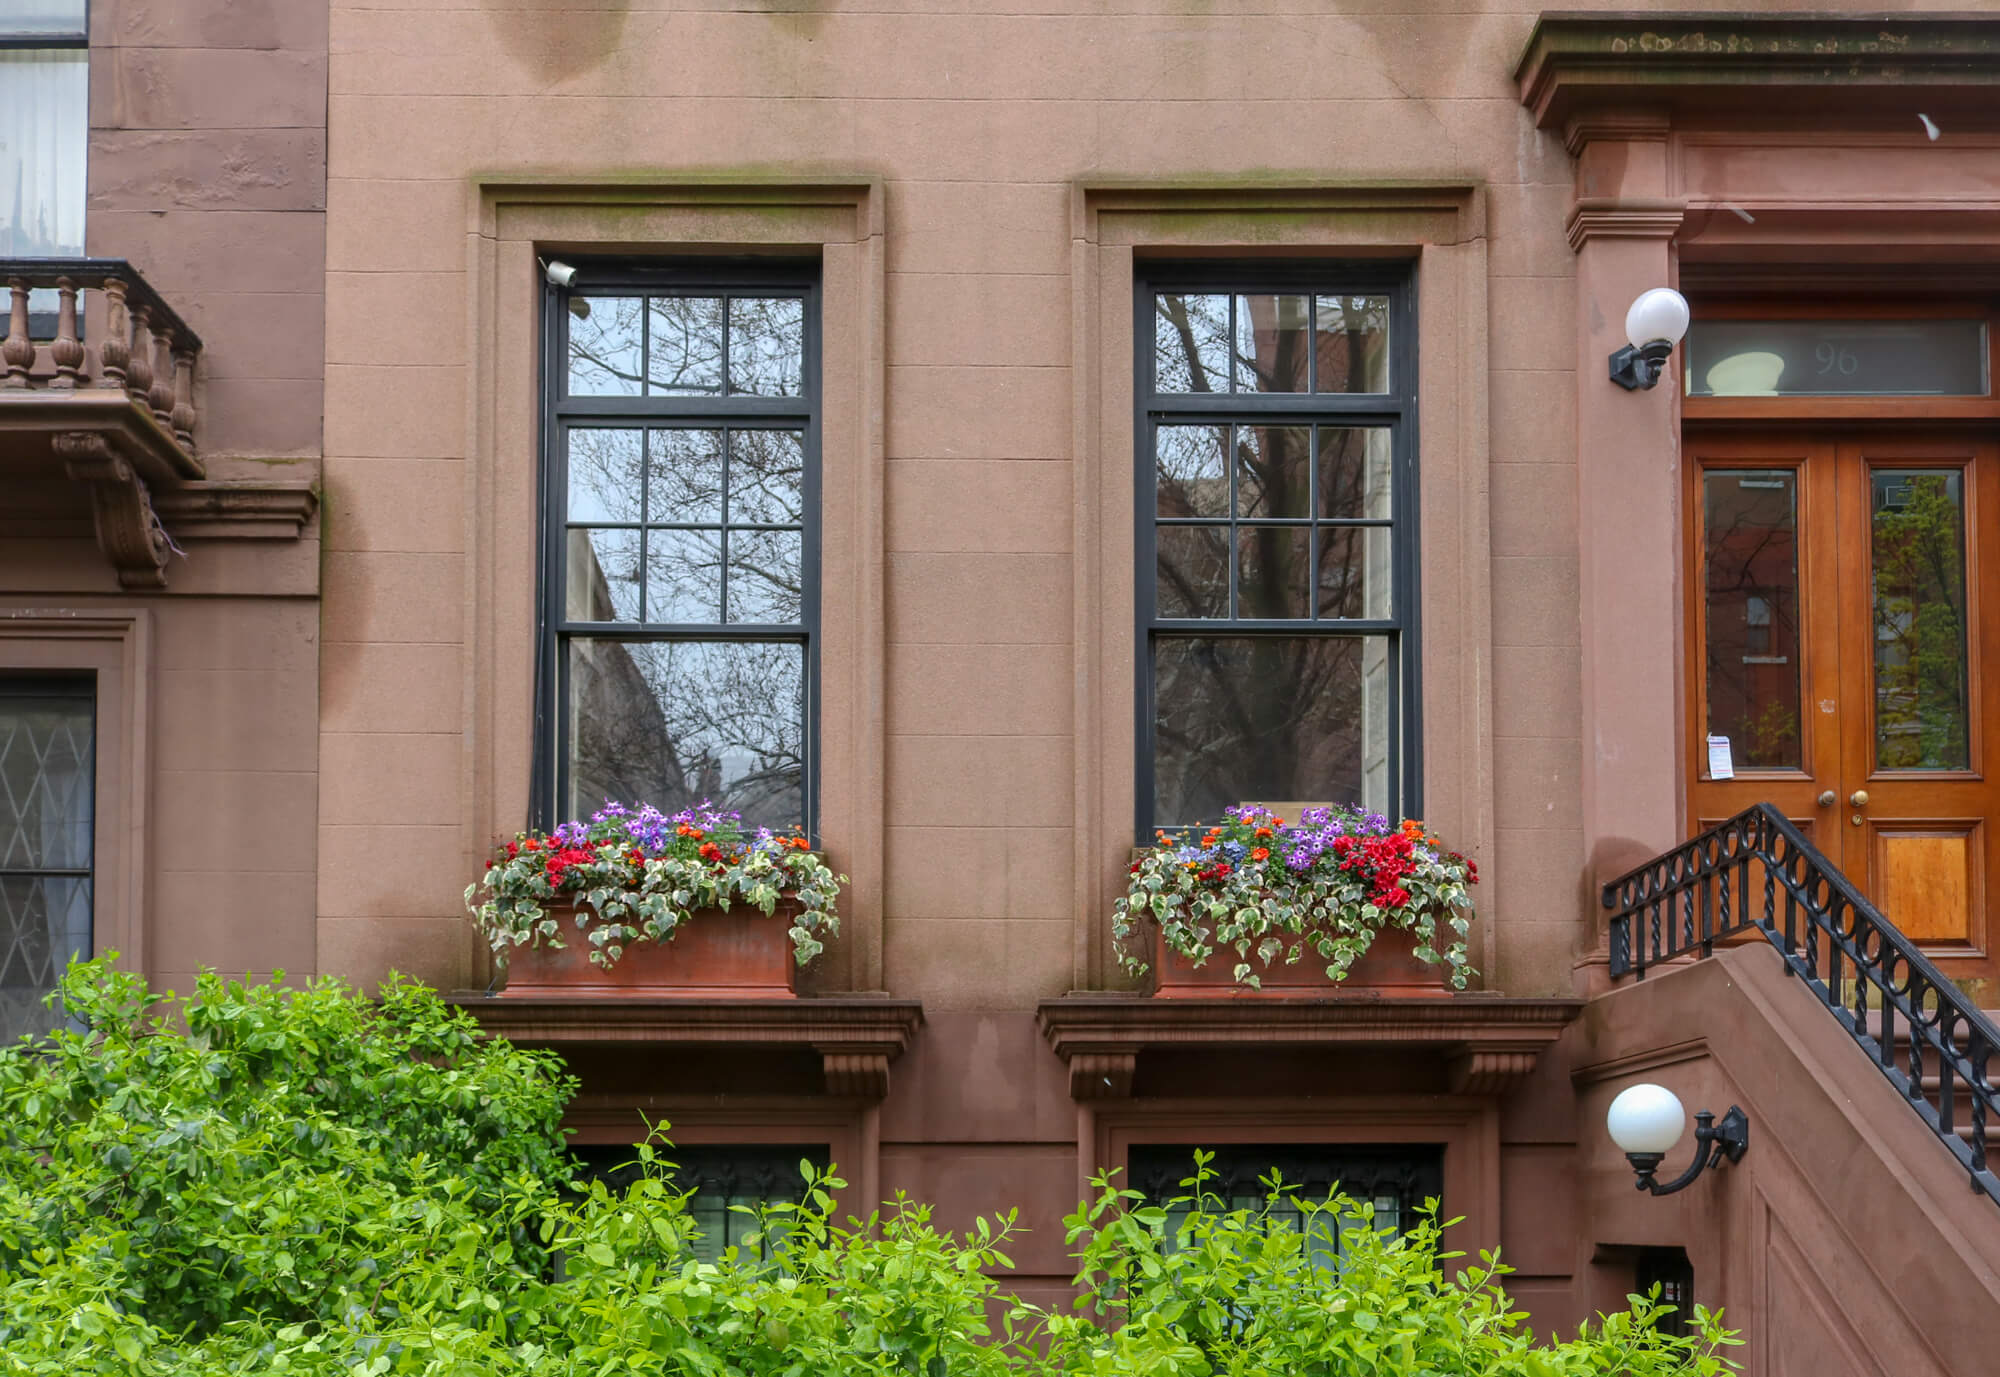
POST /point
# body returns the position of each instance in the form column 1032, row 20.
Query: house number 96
column 1833, row 359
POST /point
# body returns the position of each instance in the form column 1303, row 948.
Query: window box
column 1305, row 903
column 639, row 903
column 1390, row 968
column 738, row 952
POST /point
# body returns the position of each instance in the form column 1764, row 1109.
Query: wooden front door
column 1846, row 593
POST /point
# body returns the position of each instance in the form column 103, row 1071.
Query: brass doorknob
column 1859, row 798
column 1827, row 798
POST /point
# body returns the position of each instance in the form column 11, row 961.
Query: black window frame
column 1394, row 410
column 760, row 1174
column 83, row 687
column 718, row 276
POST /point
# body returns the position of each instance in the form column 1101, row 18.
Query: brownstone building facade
column 422, row 421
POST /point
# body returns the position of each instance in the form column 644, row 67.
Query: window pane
column 1352, row 336
column 766, row 471
column 1271, row 343
column 1354, row 472
column 1273, row 471
column 1354, row 572
column 765, row 584
column 1274, row 571
column 1750, row 548
column 603, row 576
column 1268, row 717
column 606, row 478
column 44, row 133
column 1191, row 343
column 674, row 722
column 605, row 346
column 686, row 344
column 1193, row 571
column 47, row 817
column 1192, row 467
column 767, row 345
column 1831, row 358
column 683, row 576
column 35, row 18
column 1921, row 696
column 686, row 476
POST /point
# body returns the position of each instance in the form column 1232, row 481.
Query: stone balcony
column 97, row 410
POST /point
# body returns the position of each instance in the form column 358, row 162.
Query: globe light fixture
column 1647, row 1120
column 1654, row 326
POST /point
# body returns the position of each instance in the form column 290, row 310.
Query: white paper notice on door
column 1720, row 766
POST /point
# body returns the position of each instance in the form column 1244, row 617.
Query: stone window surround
column 1440, row 228
column 115, row 645
column 838, row 221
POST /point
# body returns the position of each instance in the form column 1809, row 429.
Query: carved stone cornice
column 1605, row 217
column 1488, row 1043
column 237, row 510
column 855, row 1036
column 120, row 507
column 1761, row 66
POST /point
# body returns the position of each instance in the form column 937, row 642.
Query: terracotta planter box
column 1389, row 969
column 739, row 953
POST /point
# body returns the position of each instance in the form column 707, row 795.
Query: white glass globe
column 1646, row 1118
column 1659, row 314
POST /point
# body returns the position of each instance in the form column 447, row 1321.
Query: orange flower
column 1263, row 831
column 1262, row 853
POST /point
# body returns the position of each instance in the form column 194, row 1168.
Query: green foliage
column 313, row 1184
column 1190, row 1288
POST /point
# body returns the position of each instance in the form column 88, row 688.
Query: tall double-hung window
column 48, row 761
column 1276, row 540
column 44, row 130
column 681, row 540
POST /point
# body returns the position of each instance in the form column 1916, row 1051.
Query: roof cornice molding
column 1774, row 65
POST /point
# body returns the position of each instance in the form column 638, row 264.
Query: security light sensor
column 559, row 274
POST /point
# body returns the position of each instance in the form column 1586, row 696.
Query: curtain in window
column 44, row 133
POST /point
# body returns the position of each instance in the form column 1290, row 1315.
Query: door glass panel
column 1750, row 560
column 1917, row 555
column 1837, row 358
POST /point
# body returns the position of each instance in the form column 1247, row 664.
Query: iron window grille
column 1396, row 1180
column 1670, row 1270
column 1276, row 523
column 48, row 790
column 680, row 542
column 724, row 1182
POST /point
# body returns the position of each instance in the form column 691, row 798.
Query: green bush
column 256, row 1180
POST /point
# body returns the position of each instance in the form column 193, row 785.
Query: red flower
column 1262, row 853
column 710, row 852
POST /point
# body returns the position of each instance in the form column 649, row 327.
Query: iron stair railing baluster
column 1855, row 962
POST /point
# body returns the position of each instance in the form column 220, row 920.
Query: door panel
column 1917, row 783
column 1838, row 633
column 1763, row 627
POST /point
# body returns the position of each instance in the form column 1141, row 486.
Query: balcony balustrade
column 105, row 400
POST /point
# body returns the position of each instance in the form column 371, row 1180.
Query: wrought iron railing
column 1757, row 871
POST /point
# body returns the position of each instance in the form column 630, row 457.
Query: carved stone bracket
column 121, row 508
column 855, row 1036
column 1487, row 1043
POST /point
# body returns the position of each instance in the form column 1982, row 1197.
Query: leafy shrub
column 313, row 1184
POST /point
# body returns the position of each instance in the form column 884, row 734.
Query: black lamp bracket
column 1638, row 369
column 1714, row 1144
